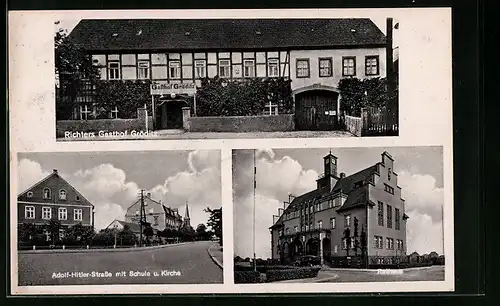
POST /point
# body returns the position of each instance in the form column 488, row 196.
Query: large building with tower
column 177, row 54
column 329, row 221
column 54, row 199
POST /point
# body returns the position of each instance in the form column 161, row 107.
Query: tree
column 28, row 233
column 72, row 64
column 126, row 236
column 347, row 238
column 363, row 244
column 356, row 241
column 201, row 232
column 148, row 233
column 53, row 228
column 215, row 222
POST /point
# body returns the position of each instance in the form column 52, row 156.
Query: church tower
column 187, row 220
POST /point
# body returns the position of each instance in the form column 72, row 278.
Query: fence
column 379, row 121
column 353, row 124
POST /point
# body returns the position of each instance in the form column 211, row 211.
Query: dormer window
column 62, row 194
column 46, row 193
column 29, row 194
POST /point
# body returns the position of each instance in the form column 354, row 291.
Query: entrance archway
column 312, row 247
column 169, row 114
column 316, row 109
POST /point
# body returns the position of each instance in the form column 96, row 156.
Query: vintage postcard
column 131, row 131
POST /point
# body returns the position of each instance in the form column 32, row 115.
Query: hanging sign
column 164, row 88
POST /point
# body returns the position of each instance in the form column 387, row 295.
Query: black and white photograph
column 226, row 78
column 100, row 218
column 338, row 215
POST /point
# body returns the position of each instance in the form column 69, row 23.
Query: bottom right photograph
column 332, row 215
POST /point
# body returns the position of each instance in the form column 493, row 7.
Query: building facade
column 313, row 53
column 342, row 207
column 54, row 199
column 155, row 213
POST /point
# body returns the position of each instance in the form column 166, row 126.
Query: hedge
column 261, row 268
column 246, row 277
column 297, row 273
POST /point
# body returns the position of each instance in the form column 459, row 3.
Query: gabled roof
column 56, row 175
column 134, row 227
column 198, row 34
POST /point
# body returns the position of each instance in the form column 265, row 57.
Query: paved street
column 166, row 134
column 178, row 264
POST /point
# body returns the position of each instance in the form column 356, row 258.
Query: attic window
column 114, row 34
column 353, row 30
column 187, row 33
column 77, row 198
column 258, row 32
column 29, row 194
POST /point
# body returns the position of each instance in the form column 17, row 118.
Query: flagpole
column 254, row 187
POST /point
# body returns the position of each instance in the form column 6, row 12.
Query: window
column 389, row 216
column 114, row 70
column 353, row 245
column 155, row 220
column 273, row 68
column 85, row 111
column 397, row 219
column 380, row 213
column 200, row 68
column 114, row 113
column 332, row 222
column 248, row 68
column 77, row 198
column 347, row 220
column 61, row 234
column 63, row 214
column 378, row 242
column 287, row 230
column 46, row 193
column 389, row 189
column 62, row 194
column 174, row 69
column 348, row 66
column 224, row 69
column 29, row 212
column 371, row 65
column 307, row 227
column 302, row 68
column 344, row 244
column 319, row 224
column 296, row 228
column 325, row 67
column 29, row 194
column 390, row 243
column 46, row 213
column 389, row 174
column 78, row 214
column 271, row 109
column 143, row 70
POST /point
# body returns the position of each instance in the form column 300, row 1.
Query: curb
column 214, row 259
column 60, row 251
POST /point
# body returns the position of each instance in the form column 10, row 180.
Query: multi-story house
column 315, row 223
column 313, row 53
column 53, row 198
column 158, row 215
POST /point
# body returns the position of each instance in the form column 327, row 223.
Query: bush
column 246, row 277
column 218, row 97
column 127, row 95
column 297, row 273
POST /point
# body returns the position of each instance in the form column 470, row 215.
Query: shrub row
column 297, row 273
column 246, row 277
column 261, row 269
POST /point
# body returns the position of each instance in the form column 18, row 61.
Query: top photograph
column 123, row 79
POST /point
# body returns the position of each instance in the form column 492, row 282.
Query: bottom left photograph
column 136, row 217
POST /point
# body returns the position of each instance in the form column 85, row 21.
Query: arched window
column 62, row 194
column 46, row 193
column 30, row 194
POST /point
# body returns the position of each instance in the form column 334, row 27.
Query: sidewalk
column 323, row 277
column 215, row 252
column 84, row 250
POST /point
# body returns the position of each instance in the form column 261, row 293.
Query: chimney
column 342, row 175
column 54, row 171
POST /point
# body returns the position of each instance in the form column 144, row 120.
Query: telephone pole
column 254, row 187
column 140, row 217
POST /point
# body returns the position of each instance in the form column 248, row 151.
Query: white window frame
column 62, row 213
column 78, row 214
column 29, row 212
column 46, row 213
column 49, row 194
column 114, row 112
column 63, row 195
column 200, row 68
column 226, row 68
column 347, row 220
column 352, row 243
column 333, row 222
column 61, row 233
column 296, row 228
column 344, row 243
column 372, row 68
column 174, row 70
column 143, row 73
column 115, row 72
column 249, row 66
column 271, row 109
column 273, row 69
column 347, row 68
column 85, row 111
column 320, row 224
column 328, row 67
column 305, row 71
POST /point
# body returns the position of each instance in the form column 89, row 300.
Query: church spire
column 186, row 216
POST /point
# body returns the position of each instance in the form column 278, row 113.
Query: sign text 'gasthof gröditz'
column 162, row 88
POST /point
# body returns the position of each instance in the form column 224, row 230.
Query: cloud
column 108, row 189
column 423, row 234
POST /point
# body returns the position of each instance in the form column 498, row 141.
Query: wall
column 378, row 193
column 353, row 125
column 336, row 55
column 86, row 214
column 68, row 128
column 152, row 209
column 278, row 123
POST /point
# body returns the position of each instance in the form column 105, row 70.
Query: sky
column 294, row 171
column 112, row 180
